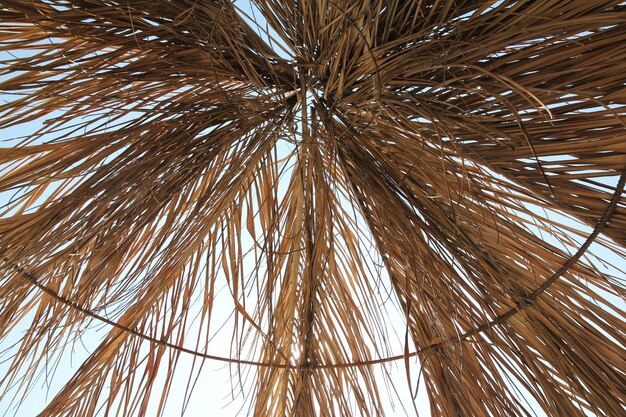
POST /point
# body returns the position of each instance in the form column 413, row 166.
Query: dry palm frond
column 163, row 150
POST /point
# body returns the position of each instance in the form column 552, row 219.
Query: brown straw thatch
column 170, row 162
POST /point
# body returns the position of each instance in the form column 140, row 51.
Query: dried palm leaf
column 160, row 151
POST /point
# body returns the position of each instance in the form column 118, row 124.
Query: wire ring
column 500, row 319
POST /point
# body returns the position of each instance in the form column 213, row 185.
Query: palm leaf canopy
column 333, row 186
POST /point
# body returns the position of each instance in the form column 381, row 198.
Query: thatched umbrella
column 456, row 159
